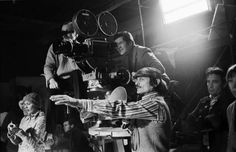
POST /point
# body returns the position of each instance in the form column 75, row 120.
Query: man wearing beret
column 150, row 116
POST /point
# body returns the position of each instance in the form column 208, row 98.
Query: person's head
column 124, row 41
column 214, row 80
column 32, row 103
column 148, row 79
column 69, row 32
column 69, row 124
column 231, row 79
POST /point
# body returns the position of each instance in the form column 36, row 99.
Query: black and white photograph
column 118, row 75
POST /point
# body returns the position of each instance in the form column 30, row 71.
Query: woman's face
column 143, row 85
column 232, row 84
column 29, row 107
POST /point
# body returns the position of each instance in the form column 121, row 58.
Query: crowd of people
column 150, row 110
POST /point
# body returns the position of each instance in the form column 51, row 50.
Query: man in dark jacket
column 133, row 57
column 209, row 116
column 76, row 139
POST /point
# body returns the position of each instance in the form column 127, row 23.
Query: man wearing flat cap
column 150, row 116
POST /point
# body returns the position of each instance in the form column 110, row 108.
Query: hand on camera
column 12, row 129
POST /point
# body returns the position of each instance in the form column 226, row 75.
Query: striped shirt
column 150, row 107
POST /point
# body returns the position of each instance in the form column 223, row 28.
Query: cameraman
column 62, row 75
column 57, row 65
column 133, row 57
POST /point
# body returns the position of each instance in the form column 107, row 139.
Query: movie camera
column 86, row 25
column 11, row 126
column 80, row 51
column 93, row 53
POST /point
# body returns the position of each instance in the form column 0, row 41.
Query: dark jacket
column 212, row 120
column 78, row 142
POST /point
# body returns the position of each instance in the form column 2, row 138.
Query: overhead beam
column 117, row 4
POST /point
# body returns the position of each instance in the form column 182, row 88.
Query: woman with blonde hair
column 31, row 132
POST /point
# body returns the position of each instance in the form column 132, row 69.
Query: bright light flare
column 174, row 10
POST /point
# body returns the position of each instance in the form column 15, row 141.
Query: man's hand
column 53, row 84
column 64, row 100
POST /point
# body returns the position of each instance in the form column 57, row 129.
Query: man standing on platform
column 62, row 76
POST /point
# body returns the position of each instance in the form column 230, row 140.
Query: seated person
column 72, row 139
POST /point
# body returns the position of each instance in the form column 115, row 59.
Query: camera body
column 81, row 51
column 12, row 129
column 11, row 126
column 71, row 49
